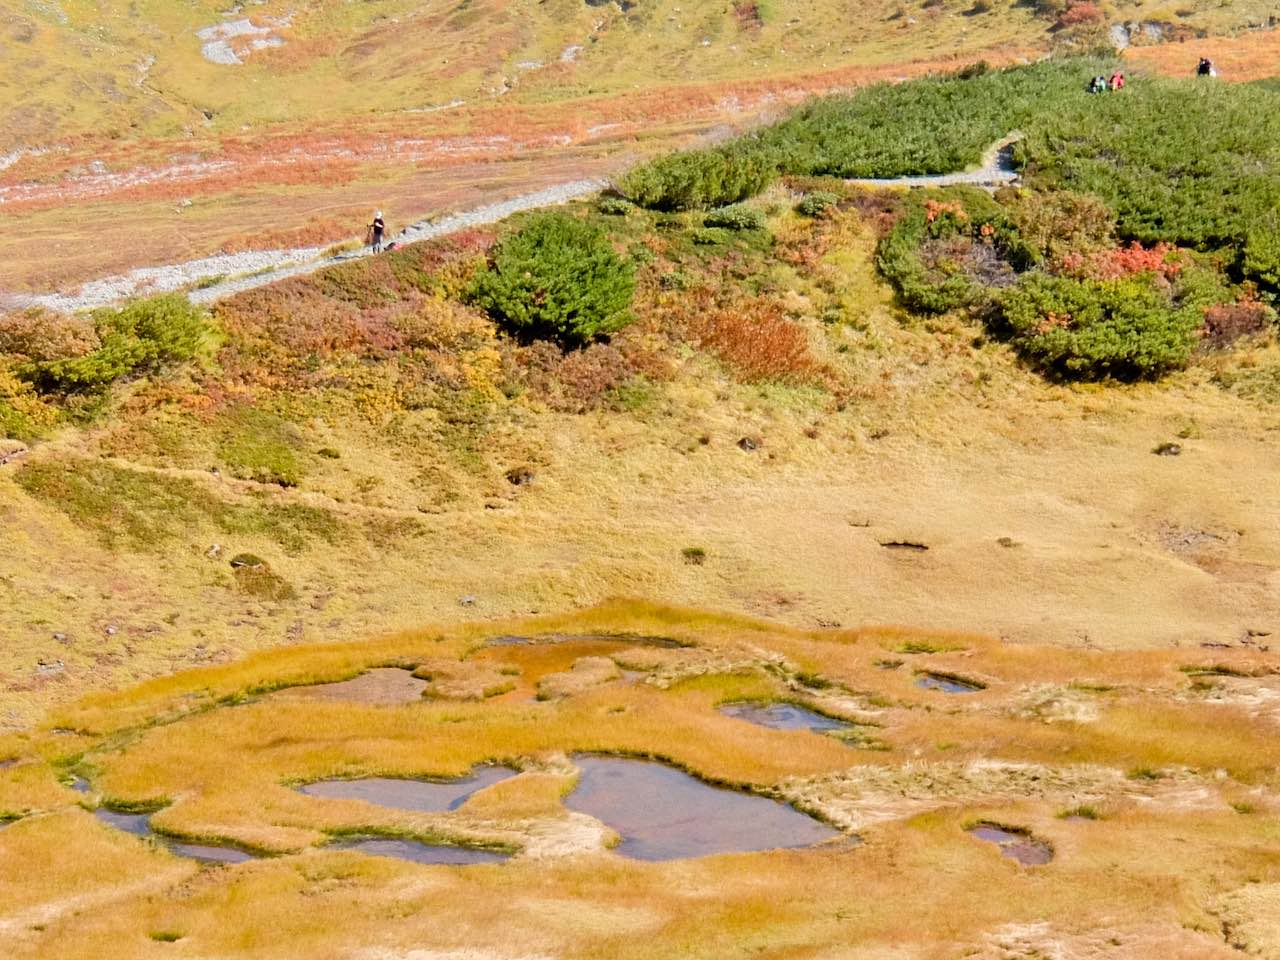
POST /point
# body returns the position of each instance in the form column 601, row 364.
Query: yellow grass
column 1184, row 788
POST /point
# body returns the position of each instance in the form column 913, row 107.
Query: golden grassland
column 298, row 144
column 1178, row 855
column 1047, row 517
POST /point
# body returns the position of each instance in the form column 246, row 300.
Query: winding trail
column 262, row 267
column 997, row 170
column 211, row 278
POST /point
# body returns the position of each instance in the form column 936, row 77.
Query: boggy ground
column 435, row 470
column 1151, row 774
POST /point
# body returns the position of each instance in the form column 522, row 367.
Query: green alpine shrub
column 1127, row 329
column 558, row 278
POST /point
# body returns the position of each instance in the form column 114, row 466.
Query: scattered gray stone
column 520, row 476
column 1168, row 450
column 749, row 444
column 467, row 601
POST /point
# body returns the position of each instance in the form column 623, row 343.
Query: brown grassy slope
column 1047, row 516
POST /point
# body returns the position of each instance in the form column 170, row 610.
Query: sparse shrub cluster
column 736, row 217
column 65, row 355
column 52, row 365
column 557, row 277
column 949, row 248
column 817, row 203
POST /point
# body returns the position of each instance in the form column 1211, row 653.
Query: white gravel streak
column 997, row 170
column 245, row 271
column 423, row 230
column 217, row 40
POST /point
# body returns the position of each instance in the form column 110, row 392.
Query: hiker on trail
column 1098, row 85
column 1117, row 81
column 1206, row 68
column 376, row 230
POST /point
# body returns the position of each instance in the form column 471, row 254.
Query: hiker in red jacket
column 1117, row 81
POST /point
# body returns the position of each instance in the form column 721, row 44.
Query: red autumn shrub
column 40, row 336
column 1228, row 322
column 756, row 340
column 1078, row 13
column 1163, row 259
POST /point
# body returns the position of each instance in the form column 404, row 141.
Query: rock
column 913, row 545
column 1008, row 542
column 111, row 630
column 1168, row 450
column 214, row 551
column 60, row 637
column 467, row 601
column 246, row 560
column 520, row 476
column 749, row 444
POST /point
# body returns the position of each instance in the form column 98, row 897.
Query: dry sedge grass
column 1182, row 792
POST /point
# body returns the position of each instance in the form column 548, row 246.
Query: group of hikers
column 1100, row 84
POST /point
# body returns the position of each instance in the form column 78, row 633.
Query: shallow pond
column 662, row 813
column 1015, row 845
column 783, row 716
column 937, row 681
column 139, row 824
column 428, row 796
column 384, row 686
column 422, row 852
column 634, row 640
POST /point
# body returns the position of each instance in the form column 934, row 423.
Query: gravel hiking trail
column 997, row 169
column 211, row 278
column 226, row 274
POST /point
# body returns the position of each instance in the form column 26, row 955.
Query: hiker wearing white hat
column 376, row 230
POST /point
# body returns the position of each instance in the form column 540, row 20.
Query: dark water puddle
column 662, row 813
column 139, row 824
column 630, row 639
column 382, row 685
column 783, row 716
column 427, row 796
column 416, row 852
column 938, row 681
column 79, row 785
column 1015, row 844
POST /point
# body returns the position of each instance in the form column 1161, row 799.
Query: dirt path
column 997, row 170
column 226, row 274
column 220, row 276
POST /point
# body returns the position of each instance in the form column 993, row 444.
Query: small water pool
column 947, row 684
column 416, row 852
column 783, row 716
column 1015, row 844
column 381, row 686
column 424, row 796
column 139, row 824
column 663, row 813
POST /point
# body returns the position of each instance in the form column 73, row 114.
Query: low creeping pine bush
column 1127, row 328
column 558, row 278
column 736, row 217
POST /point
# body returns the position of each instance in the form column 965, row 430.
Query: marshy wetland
column 593, row 793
